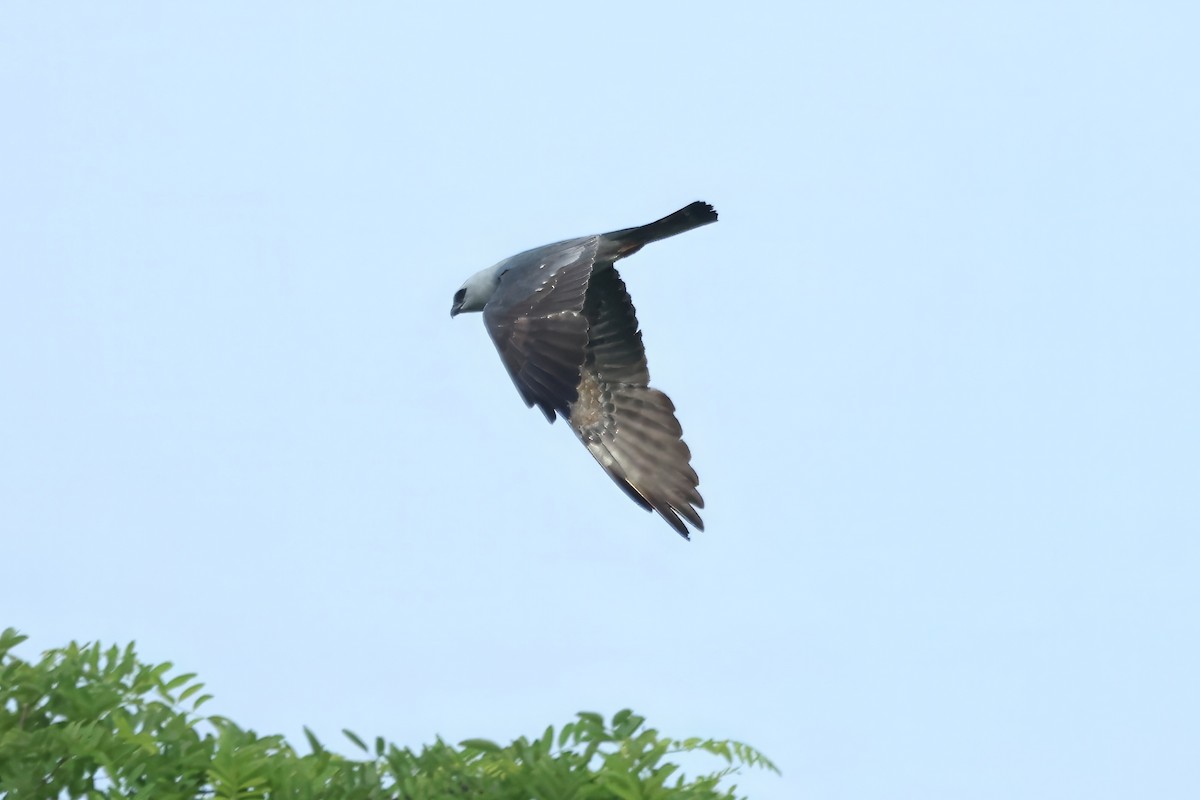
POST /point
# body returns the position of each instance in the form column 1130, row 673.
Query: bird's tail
column 685, row 219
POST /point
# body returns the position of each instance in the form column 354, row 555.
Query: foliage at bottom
column 89, row 722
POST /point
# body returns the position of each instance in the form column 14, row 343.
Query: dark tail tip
column 685, row 219
column 693, row 215
column 703, row 212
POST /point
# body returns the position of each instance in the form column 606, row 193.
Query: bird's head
column 475, row 293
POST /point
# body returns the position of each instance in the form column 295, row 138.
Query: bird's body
column 566, row 330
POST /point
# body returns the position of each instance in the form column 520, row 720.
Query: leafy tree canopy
column 89, row 722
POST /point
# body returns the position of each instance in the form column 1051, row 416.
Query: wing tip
column 671, row 515
column 668, row 510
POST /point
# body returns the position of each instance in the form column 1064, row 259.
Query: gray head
column 478, row 289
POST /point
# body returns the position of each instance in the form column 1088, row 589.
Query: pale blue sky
column 937, row 364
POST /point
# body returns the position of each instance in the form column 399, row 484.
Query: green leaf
column 179, row 680
column 9, row 639
column 566, row 733
column 189, row 691
column 352, row 736
column 626, row 723
column 482, row 745
column 592, row 717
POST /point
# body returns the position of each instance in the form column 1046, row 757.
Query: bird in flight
column 566, row 330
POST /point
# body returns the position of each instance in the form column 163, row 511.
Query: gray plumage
column 567, row 332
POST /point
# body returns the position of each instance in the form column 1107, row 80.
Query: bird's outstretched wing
column 536, row 320
column 630, row 428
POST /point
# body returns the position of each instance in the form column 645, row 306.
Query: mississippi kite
column 566, row 330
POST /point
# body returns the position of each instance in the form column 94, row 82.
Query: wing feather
column 536, row 321
column 630, row 428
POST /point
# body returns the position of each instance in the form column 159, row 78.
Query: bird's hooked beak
column 454, row 309
column 459, row 297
